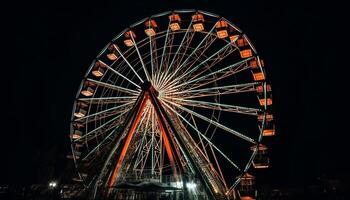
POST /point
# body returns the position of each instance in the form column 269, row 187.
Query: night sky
column 54, row 45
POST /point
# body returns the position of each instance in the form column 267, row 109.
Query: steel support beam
column 164, row 117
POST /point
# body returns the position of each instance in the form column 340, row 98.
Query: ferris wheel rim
column 86, row 77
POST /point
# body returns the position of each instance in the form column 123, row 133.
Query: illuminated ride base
column 174, row 107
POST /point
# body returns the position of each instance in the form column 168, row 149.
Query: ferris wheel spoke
column 202, row 135
column 154, row 51
column 102, row 126
column 190, row 69
column 178, row 49
column 216, row 106
column 231, row 69
column 205, row 153
column 151, row 54
column 194, row 51
column 221, row 174
column 127, row 62
column 219, row 57
column 114, row 87
column 119, row 74
column 98, row 147
column 219, row 125
column 120, row 99
column 141, row 60
column 100, row 117
column 193, row 92
column 159, row 71
column 210, row 80
column 200, row 53
column 165, row 58
column 196, row 56
column 104, row 111
column 182, row 127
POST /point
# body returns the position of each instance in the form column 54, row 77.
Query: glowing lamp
column 76, row 134
column 234, row 38
column 258, row 76
column 174, row 26
column 264, row 101
column 198, row 20
column 128, row 41
column 246, row 53
column 98, row 72
column 87, row 92
column 191, row 186
column 150, row 32
column 112, row 56
column 268, row 118
column 222, row 34
column 221, row 29
column 269, row 132
column 260, row 88
column 80, row 113
column 174, row 22
column 198, row 27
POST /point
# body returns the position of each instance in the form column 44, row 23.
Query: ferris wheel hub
column 147, row 86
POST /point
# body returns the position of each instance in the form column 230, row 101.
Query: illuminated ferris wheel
column 178, row 101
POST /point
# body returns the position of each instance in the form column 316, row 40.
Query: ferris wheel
column 180, row 98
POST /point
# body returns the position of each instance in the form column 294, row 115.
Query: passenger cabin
column 221, row 29
column 112, row 53
column 244, row 47
column 76, row 155
column 175, row 21
column 261, row 159
column 129, row 36
column 198, row 22
column 78, row 145
column 246, row 189
column 233, row 38
column 269, row 129
column 80, row 111
column 256, row 66
column 233, row 34
column 256, row 63
column 88, row 91
column 246, row 53
column 261, row 89
column 150, row 27
column 258, row 76
column 268, row 117
column 76, row 134
column 99, row 69
column 265, row 101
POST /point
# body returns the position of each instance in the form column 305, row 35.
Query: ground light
column 191, row 186
column 52, row 184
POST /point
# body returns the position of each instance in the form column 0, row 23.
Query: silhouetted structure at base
column 325, row 189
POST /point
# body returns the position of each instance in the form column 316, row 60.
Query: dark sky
column 54, row 44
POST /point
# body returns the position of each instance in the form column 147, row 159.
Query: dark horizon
column 55, row 45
